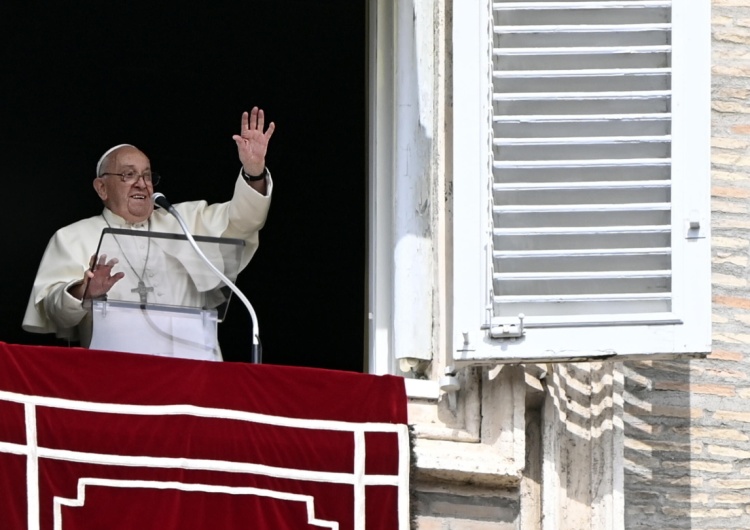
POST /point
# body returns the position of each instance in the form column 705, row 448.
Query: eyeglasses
column 131, row 177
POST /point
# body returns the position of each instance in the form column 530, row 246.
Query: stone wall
column 687, row 424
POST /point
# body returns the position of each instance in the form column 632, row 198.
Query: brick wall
column 687, row 424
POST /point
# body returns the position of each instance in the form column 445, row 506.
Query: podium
column 169, row 302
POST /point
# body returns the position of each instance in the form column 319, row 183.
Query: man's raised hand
column 252, row 142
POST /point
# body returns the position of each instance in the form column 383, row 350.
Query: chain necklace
column 142, row 289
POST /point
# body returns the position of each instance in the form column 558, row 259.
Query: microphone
column 160, row 200
column 256, row 351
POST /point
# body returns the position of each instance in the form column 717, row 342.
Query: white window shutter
column 589, row 188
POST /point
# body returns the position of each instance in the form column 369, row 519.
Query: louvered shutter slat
column 581, row 192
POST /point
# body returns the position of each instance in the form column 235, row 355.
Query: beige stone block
column 717, row 390
column 729, row 176
column 677, row 412
column 732, row 338
column 731, row 452
column 742, row 317
column 744, row 393
column 654, row 445
column 721, row 374
column 723, row 52
column 731, row 92
column 731, row 37
column 704, row 370
column 731, row 415
column 719, row 319
column 638, row 445
column 728, row 143
column 730, row 484
column 712, row 433
column 725, row 355
column 730, row 108
column 726, row 159
column 659, row 481
column 695, row 498
column 727, row 221
column 721, row 20
column 713, row 513
column 732, row 498
column 737, row 302
column 741, row 128
column 734, row 259
column 731, row 192
column 727, row 280
column 723, row 206
column 698, row 465
column 729, row 242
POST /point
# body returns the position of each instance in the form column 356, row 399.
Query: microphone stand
column 256, row 351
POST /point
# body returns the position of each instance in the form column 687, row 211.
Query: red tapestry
column 105, row 440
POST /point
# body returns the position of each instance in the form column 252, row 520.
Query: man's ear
column 100, row 189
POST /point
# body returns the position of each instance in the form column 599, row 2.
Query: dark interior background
column 80, row 77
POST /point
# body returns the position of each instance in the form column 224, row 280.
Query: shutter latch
column 507, row 330
column 694, row 225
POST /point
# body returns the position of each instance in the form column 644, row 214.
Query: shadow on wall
column 617, row 433
column 658, row 447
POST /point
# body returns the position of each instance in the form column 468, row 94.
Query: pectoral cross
column 142, row 291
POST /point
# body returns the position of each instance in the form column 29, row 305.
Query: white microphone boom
column 160, row 200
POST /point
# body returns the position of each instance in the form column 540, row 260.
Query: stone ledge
column 470, row 463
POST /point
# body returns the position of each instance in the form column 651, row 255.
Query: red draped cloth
column 105, row 440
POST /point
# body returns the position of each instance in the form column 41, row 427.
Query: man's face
column 129, row 200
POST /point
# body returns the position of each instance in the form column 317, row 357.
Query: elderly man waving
column 124, row 181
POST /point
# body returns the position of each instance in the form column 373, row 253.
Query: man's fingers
column 269, row 132
column 244, row 122
column 254, row 118
column 115, row 278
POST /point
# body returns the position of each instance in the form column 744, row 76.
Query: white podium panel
column 167, row 332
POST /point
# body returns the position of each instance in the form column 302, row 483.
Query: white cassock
column 52, row 309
